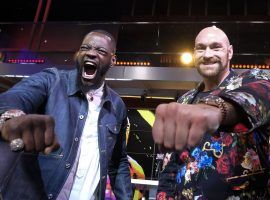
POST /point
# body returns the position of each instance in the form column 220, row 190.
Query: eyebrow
column 94, row 46
column 211, row 44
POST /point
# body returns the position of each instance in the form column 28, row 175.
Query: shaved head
column 212, row 31
column 212, row 55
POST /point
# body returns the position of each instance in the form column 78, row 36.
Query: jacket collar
column 232, row 73
column 73, row 83
column 191, row 94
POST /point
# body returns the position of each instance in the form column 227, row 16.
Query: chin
column 87, row 82
column 208, row 72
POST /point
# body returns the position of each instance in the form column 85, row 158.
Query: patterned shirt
column 233, row 163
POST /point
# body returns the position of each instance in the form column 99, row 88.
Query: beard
column 94, row 83
column 213, row 70
column 207, row 72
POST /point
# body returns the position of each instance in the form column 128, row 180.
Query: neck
column 86, row 88
column 211, row 83
column 93, row 93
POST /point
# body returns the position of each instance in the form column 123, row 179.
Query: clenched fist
column 36, row 131
column 178, row 126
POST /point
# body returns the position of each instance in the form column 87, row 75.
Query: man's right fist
column 36, row 131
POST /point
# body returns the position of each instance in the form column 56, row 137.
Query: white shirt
column 86, row 170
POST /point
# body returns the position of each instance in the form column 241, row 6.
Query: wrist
column 219, row 103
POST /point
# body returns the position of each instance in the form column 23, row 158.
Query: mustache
column 209, row 61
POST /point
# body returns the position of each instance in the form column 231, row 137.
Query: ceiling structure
column 151, row 84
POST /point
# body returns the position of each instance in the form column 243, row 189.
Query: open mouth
column 89, row 70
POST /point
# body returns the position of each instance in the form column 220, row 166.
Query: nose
column 208, row 53
column 91, row 52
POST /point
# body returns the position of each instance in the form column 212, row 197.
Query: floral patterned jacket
column 233, row 163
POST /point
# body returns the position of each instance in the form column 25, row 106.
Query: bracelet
column 9, row 115
column 218, row 103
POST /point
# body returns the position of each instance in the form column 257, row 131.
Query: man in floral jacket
column 220, row 143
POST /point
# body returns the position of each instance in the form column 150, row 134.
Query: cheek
column 224, row 60
column 78, row 59
column 196, row 58
column 105, row 60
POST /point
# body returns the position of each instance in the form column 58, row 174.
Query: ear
column 113, row 60
column 230, row 50
column 75, row 56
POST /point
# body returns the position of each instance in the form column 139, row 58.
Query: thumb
column 55, row 146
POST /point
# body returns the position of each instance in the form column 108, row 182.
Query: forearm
column 248, row 105
column 235, row 115
column 247, row 99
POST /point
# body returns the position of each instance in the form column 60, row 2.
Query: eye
column 217, row 47
column 84, row 48
column 102, row 52
column 199, row 48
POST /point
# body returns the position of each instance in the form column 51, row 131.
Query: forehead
column 211, row 36
column 98, row 40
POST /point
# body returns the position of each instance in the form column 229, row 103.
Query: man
column 75, row 122
column 221, row 140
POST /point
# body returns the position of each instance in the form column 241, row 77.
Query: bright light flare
column 186, row 58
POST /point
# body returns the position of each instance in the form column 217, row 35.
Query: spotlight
column 186, row 58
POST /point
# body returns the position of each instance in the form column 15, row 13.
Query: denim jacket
column 57, row 93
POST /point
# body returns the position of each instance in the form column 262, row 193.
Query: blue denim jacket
column 57, row 93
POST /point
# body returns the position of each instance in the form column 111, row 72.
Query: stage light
column 251, row 66
column 26, row 61
column 132, row 63
column 186, row 58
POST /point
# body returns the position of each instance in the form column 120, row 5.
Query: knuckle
column 179, row 145
column 168, row 145
column 160, row 110
column 11, row 126
column 49, row 120
column 172, row 108
column 29, row 146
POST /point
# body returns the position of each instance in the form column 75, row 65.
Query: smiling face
column 94, row 58
column 212, row 53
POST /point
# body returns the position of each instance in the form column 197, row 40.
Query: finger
column 49, row 131
column 38, row 133
column 10, row 130
column 55, row 145
column 51, row 141
column 196, row 132
column 158, row 126
column 170, row 126
column 28, row 139
column 182, row 131
column 163, row 149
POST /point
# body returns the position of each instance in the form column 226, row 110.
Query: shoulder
column 59, row 72
column 115, row 99
column 256, row 73
column 113, row 94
